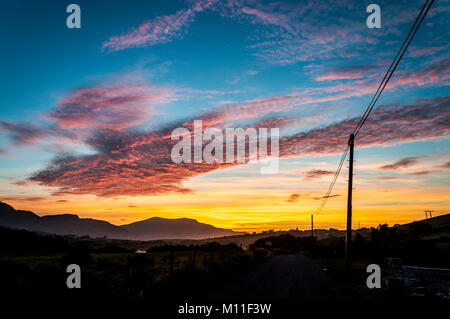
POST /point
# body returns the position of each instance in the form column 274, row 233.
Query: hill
column 69, row 224
column 162, row 228
column 65, row 224
column 438, row 223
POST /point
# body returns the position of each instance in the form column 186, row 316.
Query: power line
column 394, row 64
column 336, row 174
column 390, row 67
column 423, row 12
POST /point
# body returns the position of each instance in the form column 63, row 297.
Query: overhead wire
column 412, row 32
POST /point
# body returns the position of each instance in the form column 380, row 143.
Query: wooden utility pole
column 312, row 225
column 348, row 239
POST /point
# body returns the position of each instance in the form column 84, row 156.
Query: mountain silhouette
column 163, row 228
column 65, row 224
column 70, row 224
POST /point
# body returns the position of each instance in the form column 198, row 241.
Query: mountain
column 181, row 228
column 65, row 224
column 69, row 224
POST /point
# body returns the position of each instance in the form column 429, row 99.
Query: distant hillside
column 68, row 224
column 161, row 228
column 432, row 227
column 65, row 224
column 439, row 223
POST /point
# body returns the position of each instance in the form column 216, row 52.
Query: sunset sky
column 86, row 114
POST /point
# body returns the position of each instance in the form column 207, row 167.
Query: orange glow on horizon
column 253, row 210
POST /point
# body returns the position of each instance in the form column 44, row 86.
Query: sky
column 86, row 115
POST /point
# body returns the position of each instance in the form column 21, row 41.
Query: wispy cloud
column 446, row 165
column 347, row 72
column 420, row 173
column 23, row 198
column 417, row 51
column 436, row 73
column 253, row 109
column 113, row 107
column 289, row 32
column 401, row 163
column 386, row 178
column 388, row 125
column 316, row 173
column 293, row 198
column 26, row 133
column 159, row 30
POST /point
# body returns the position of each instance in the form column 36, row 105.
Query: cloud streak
column 26, row 133
column 293, row 198
column 316, row 173
column 159, row 30
column 348, row 72
column 401, row 163
column 446, row 165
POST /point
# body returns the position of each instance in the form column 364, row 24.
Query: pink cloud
column 254, row 109
column 159, row 30
column 436, row 73
column 348, row 72
column 316, row 173
column 387, row 125
column 425, row 51
column 267, row 17
column 121, row 107
column 130, row 163
column 114, row 107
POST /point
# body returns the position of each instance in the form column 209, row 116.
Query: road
column 282, row 277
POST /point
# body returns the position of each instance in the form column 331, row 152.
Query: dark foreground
column 283, row 275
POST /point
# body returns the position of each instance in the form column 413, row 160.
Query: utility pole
column 426, row 213
column 312, row 225
column 348, row 239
